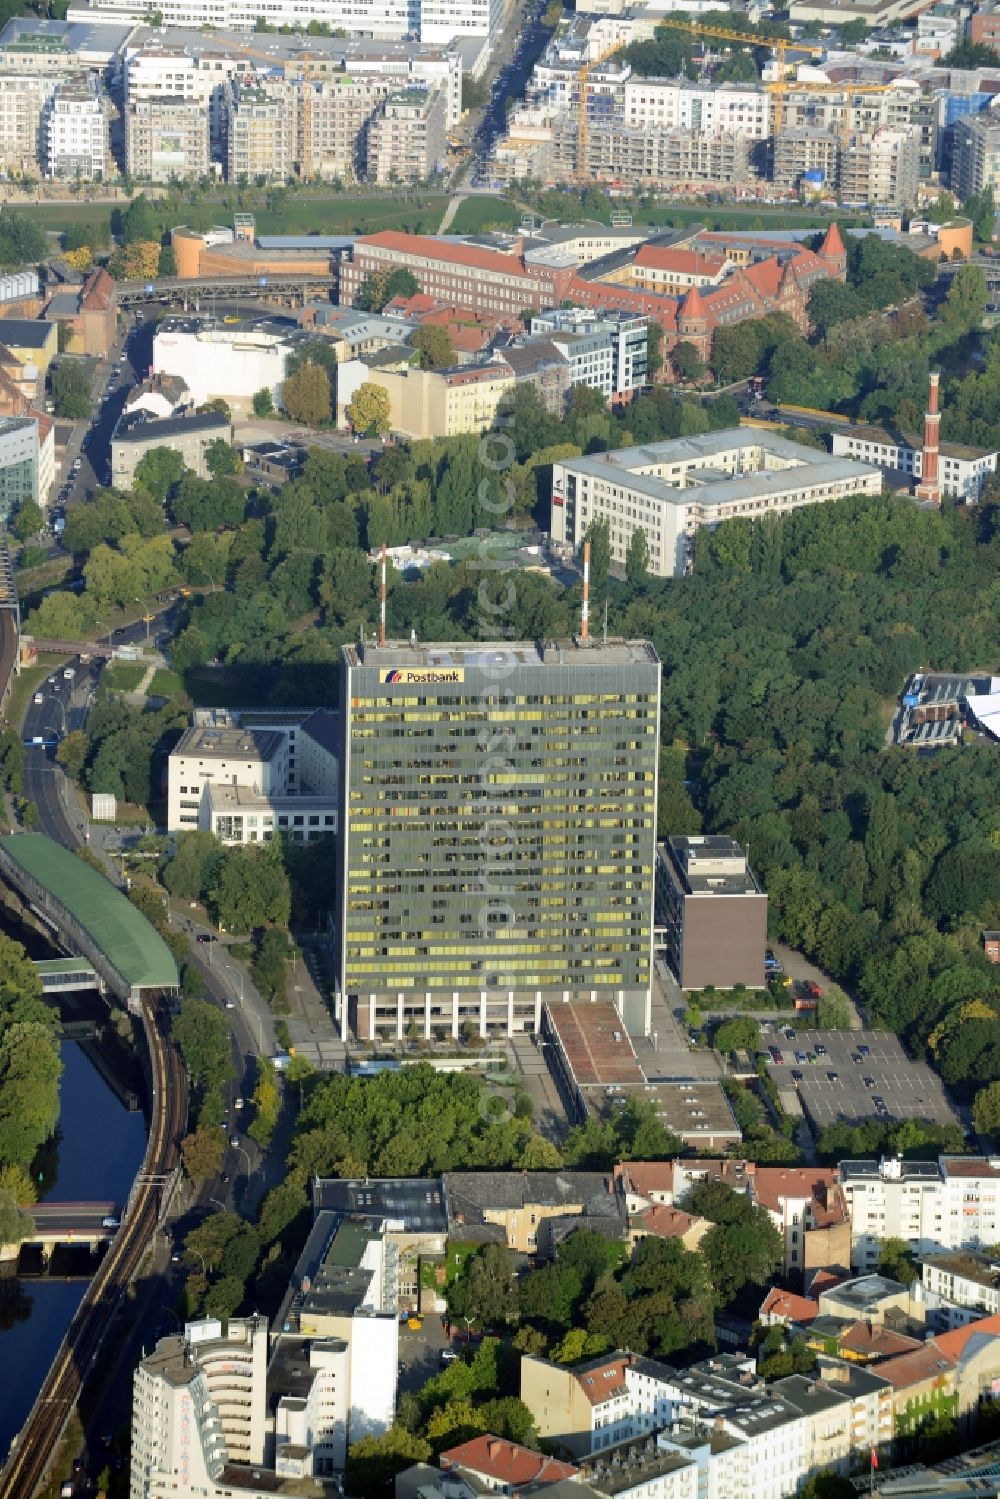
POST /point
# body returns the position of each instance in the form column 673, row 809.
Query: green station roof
column 116, row 927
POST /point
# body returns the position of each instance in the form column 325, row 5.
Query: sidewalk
column 311, row 1025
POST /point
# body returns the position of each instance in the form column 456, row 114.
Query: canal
column 94, row 1156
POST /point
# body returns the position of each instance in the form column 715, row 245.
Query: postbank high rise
column 498, row 839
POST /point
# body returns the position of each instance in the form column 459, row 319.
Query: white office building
column 247, row 778
column 234, row 363
column 607, row 351
column 434, row 21
column 962, row 471
column 672, row 489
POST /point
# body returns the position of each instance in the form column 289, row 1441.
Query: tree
column 743, row 1247
column 203, row 1151
column 29, row 520
column 637, row 559
column 201, row 1030
column 250, row 888
column 369, row 411
column 380, row 287
column 30, row 1069
column 741, row 1033
column 167, row 263
column 853, row 32
column 15, row 1225
column 263, row 403
column 374, row 1461
column 70, row 390
column 599, row 536
column 654, row 348
column 986, row 1109
column 188, row 873
column 435, row 347
column 969, row 55
column 306, row 395
column 834, row 1010
column 895, row 1261
column 266, row 1103
column 687, row 362
column 158, row 471
column 222, row 460
column 486, row 1291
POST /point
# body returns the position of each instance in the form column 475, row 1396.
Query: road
column 521, row 44
column 102, row 1301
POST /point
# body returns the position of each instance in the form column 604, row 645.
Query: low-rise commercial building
column 531, row 1210
column 33, row 343
column 712, row 911
column 190, row 435
column 231, row 363
column 671, row 490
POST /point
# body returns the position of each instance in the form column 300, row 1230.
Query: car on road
column 224, row 1177
column 230, row 1004
column 448, row 1355
column 797, row 1075
column 234, row 1140
column 77, row 464
column 111, row 1222
column 69, row 673
column 38, row 698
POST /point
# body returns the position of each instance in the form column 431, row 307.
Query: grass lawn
column 337, row 214
column 123, row 676
column 476, row 214
column 457, row 1256
column 166, row 684
column 57, row 216
column 27, row 684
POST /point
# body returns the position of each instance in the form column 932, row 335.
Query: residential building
column 167, row 136
column 158, row 396
column 647, row 157
column 199, row 1407
column 848, row 1411
column 595, row 1405
column 881, row 168
column 406, row 138
column 531, row 1209
column 975, row 161
column 420, row 937
column 935, row 1206
column 412, row 1214
column 503, row 1467
column 806, row 157
column 713, row 911
column 245, row 776
column 605, row 351
column 19, row 464
column 538, row 361
column 984, row 26
column 75, row 129
column 87, row 316
column 261, row 134
column 665, row 268
column 671, row 490
column 958, row 1288
column 663, row 104
column 32, row 343
column 428, row 21
column 24, row 99
column 430, row 403
column 190, row 434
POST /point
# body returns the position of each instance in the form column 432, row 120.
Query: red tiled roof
column 832, row 243
column 643, row 1177
column 693, row 305
column 923, row 1363
column 98, row 291
column 953, row 1344
column 775, row 1184
column 451, row 254
column 870, row 1340
column 604, row 1382
column 689, row 262
column 667, row 1223
column 778, row 1303
column 506, row 1462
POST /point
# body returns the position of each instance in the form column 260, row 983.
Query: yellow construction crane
column 849, row 91
column 777, row 44
column 581, row 121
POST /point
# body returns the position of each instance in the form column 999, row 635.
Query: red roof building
column 506, row 1466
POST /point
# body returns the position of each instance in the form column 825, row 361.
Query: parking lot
column 838, row 1076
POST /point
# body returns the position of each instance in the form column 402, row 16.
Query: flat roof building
column 712, row 911
column 671, row 490
column 501, row 856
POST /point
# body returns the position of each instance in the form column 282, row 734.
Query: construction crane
column 850, row 91
column 581, row 122
column 778, row 44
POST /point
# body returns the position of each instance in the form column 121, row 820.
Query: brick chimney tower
column 929, row 487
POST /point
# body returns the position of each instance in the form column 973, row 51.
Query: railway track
column 30, row 1456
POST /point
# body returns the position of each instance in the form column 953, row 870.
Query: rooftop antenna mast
column 381, row 602
column 585, row 603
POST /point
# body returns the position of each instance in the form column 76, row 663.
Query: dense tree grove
column 30, row 1065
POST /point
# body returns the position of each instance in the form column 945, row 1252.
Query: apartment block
column 430, row 21
column 959, row 1288
column 949, row 1204
column 655, row 157
column 461, row 900
column 882, row 168
column 167, row 136
column 975, row 163
column 406, row 138
column 665, row 104
column 190, row 435
column 261, row 130
column 24, row 99
column 806, row 155
column 672, row 489
column 605, row 351
column 432, row 403
column 75, row 129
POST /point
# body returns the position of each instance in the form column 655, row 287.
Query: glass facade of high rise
column 498, row 838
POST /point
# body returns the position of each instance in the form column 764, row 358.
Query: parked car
column 869, row 1082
